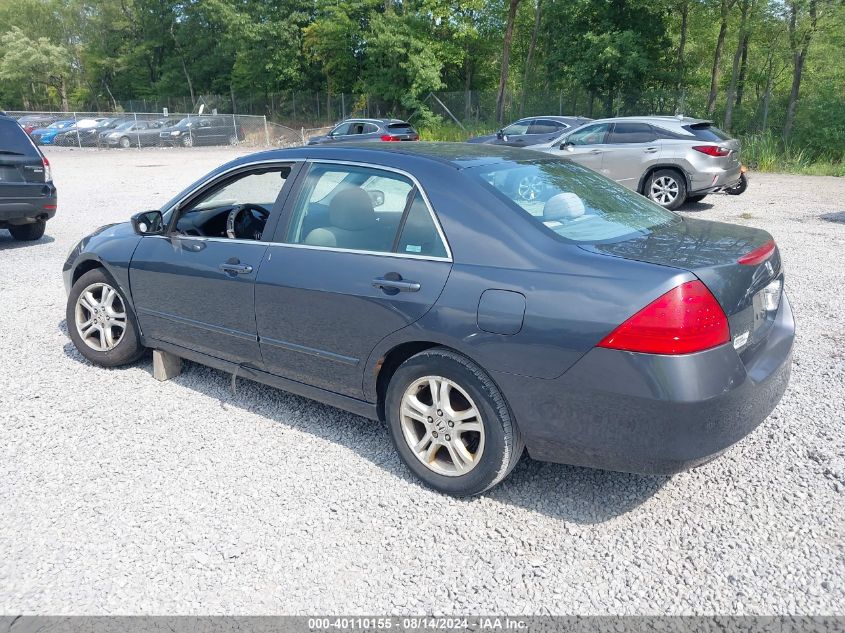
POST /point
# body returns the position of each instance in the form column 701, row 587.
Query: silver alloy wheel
column 664, row 190
column 188, row 140
column 530, row 187
column 233, row 140
column 124, row 142
column 100, row 317
column 442, row 426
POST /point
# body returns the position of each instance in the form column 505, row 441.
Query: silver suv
column 671, row 160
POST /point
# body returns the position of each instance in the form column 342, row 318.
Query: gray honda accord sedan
column 420, row 284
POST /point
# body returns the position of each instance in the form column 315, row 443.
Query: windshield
column 572, row 201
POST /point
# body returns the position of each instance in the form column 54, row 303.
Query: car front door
column 515, row 134
column 194, row 286
column 340, row 133
column 360, row 256
column 632, row 148
column 585, row 146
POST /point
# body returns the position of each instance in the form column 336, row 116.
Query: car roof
column 682, row 120
column 456, row 155
column 364, row 120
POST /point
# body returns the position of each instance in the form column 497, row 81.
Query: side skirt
column 353, row 405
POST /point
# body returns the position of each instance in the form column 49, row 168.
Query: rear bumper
column 648, row 413
column 23, row 210
column 709, row 180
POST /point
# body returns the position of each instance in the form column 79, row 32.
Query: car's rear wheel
column 124, row 142
column 694, row 199
column 101, row 325
column 28, row 232
column 451, row 424
column 667, row 188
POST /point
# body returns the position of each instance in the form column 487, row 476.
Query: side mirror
column 377, row 197
column 566, row 145
column 148, row 223
column 500, row 134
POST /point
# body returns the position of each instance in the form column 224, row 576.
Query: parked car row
column 131, row 132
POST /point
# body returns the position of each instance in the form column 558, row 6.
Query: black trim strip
column 200, row 324
column 293, row 347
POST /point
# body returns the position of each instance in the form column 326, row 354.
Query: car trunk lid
column 712, row 252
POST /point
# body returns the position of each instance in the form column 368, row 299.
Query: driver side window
column 591, row 135
column 236, row 208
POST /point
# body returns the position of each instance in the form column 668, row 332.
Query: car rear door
column 360, row 256
column 631, row 149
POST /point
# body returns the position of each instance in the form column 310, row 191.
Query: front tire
column 124, row 142
column 28, row 232
column 450, row 423
column 101, row 324
column 187, row 141
column 667, row 188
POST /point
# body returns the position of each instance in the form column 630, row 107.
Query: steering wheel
column 246, row 221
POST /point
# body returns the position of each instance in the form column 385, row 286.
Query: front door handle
column 596, row 151
column 392, row 283
column 650, row 150
column 233, row 266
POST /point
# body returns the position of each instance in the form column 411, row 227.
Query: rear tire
column 88, row 315
column 453, row 461
column 28, row 232
column 666, row 187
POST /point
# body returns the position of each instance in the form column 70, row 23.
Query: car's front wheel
column 187, row 141
column 451, row 424
column 125, row 142
column 28, row 232
column 667, row 188
column 101, row 325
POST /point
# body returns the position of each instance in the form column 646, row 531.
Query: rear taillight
column 712, row 150
column 758, row 255
column 684, row 320
column 48, row 173
column 390, row 137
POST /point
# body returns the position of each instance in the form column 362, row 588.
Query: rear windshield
column 401, row 128
column 13, row 140
column 707, row 132
column 572, row 201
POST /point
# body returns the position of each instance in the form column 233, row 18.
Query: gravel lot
column 123, row 495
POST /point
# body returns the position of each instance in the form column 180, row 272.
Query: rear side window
column 625, row 132
column 707, row 132
column 571, row 201
column 545, row 126
column 401, row 128
column 419, row 235
column 13, row 140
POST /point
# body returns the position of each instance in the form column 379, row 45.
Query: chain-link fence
column 138, row 130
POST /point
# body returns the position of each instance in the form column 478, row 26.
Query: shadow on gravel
column 568, row 493
column 9, row 243
column 695, row 207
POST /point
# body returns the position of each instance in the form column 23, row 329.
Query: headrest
column 352, row 209
column 563, row 206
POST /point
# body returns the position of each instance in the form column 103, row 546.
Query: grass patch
column 746, row 216
column 766, row 152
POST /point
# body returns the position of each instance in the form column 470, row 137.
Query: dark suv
column 203, row 130
column 27, row 193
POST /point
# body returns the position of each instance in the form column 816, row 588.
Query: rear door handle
column 235, row 268
column 650, row 150
column 391, row 285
